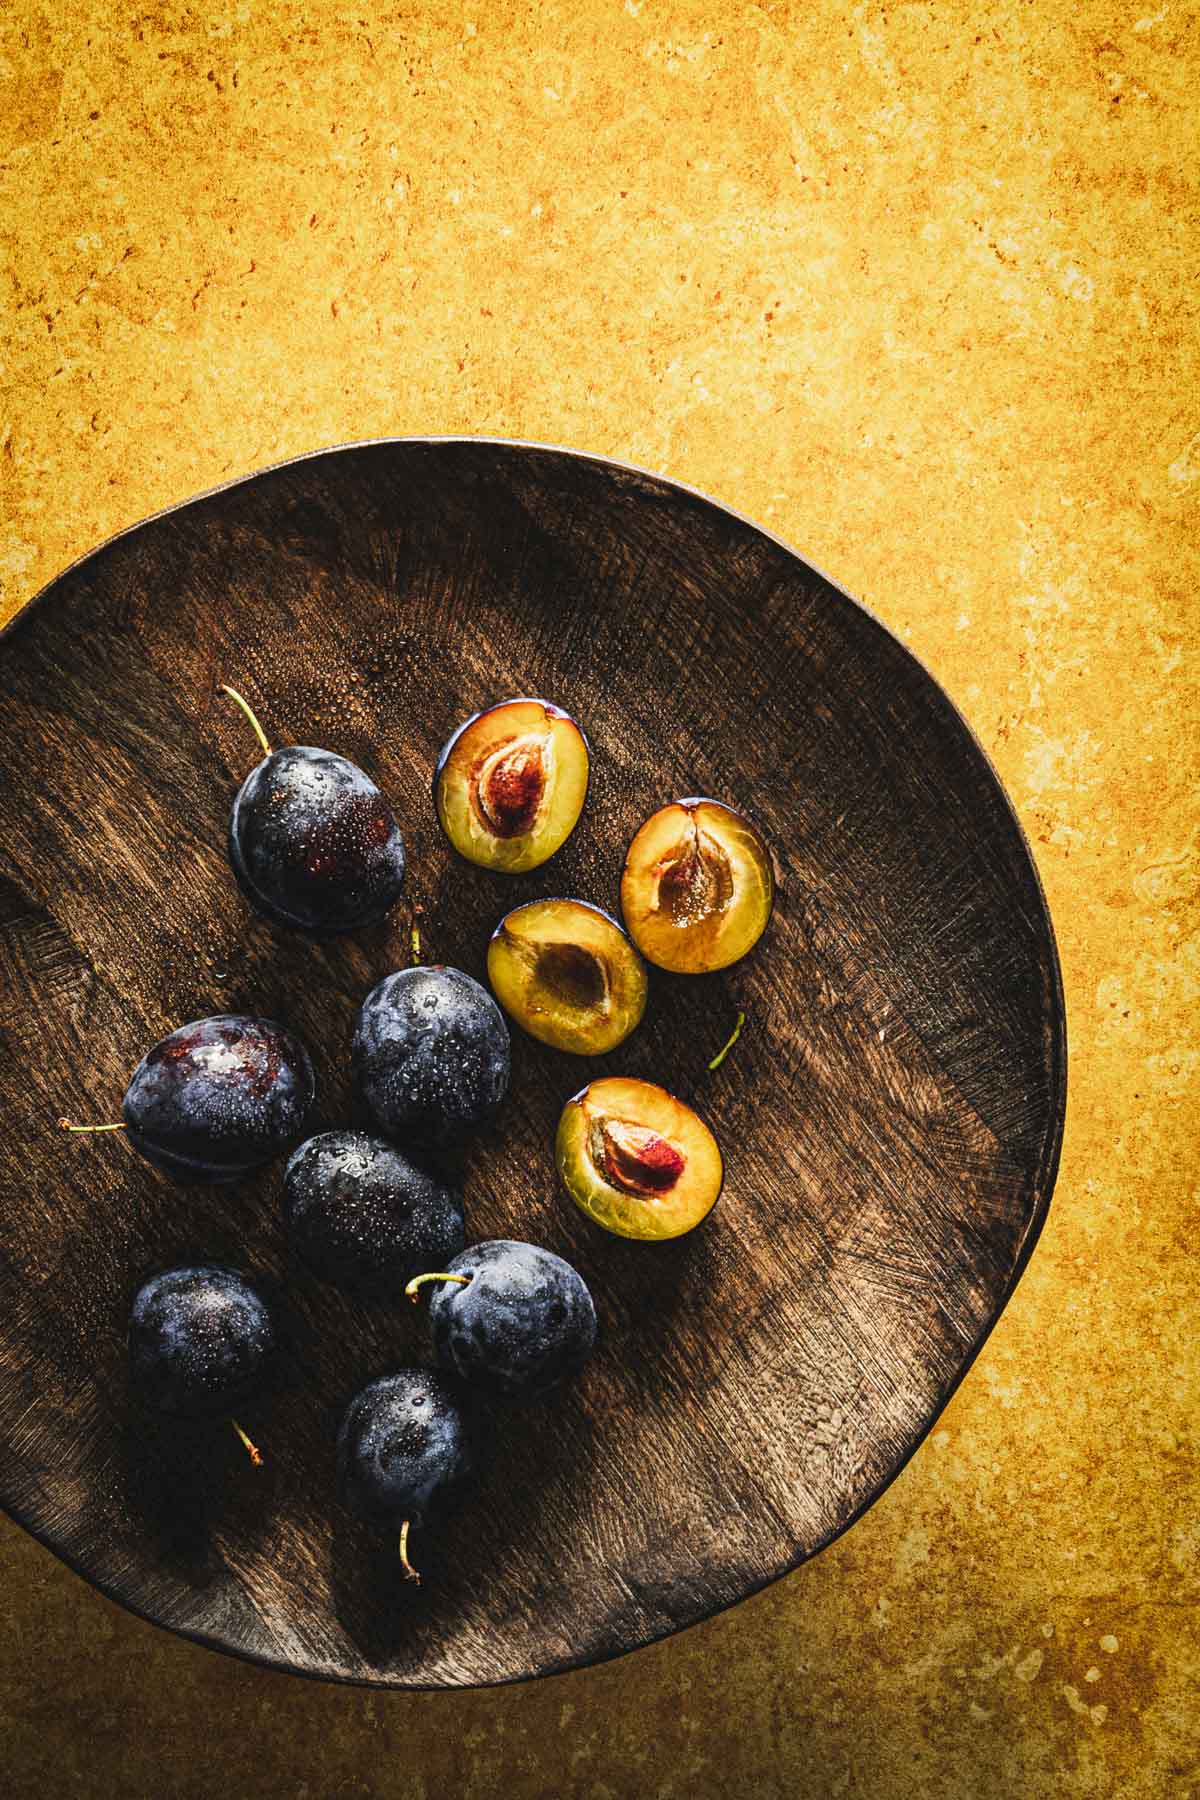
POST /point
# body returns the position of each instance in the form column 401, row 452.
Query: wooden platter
column 891, row 1116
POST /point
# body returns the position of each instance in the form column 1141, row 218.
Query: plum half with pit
column 513, row 1319
column 431, row 1055
column 216, row 1098
column 407, row 1452
column 201, row 1342
column 312, row 841
column 637, row 1160
column 567, row 973
column 697, row 888
column 510, row 784
column 367, row 1215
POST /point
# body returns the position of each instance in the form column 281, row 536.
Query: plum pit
column 511, row 784
column 635, row 1158
column 696, row 880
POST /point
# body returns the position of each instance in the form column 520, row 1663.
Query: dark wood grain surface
column 891, row 1116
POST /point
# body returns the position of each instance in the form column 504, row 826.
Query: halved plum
column 567, row 973
column 697, row 888
column 510, row 785
column 637, row 1160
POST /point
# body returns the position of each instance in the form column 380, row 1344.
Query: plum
column 697, row 888
column 367, row 1215
column 566, row 972
column 219, row 1097
column 431, row 1055
column 637, row 1160
column 216, row 1098
column 510, row 784
column 407, row 1452
column 313, row 843
column 201, row 1341
column 511, row 1318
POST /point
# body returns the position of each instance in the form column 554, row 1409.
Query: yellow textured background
column 914, row 285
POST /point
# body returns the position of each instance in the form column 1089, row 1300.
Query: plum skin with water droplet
column 524, row 1323
column 201, row 1340
column 314, row 844
column 366, row 1214
column 407, row 1448
column 431, row 1056
column 219, row 1097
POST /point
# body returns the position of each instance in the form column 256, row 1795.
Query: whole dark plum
column 523, row 1321
column 431, row 1055
column 363, row 1213
column 407, row 1452
column 200, row 1340
column 219, row 1097
column 314, row 844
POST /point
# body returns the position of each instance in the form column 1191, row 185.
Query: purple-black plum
column 431, row 1056
column 512, row 1319
column 407, row 1452
column 219, row 1097
column 314, row 844
column 366, row 1214
column 201, row 1341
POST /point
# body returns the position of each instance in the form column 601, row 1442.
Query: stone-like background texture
column 915, row 286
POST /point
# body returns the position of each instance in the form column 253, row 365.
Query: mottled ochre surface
column 914, row 285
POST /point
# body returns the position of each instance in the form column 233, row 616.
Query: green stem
column 410, row 1573
column 258, row 730
column 252, row 1450
column 730, row 1041
column 418, row 1282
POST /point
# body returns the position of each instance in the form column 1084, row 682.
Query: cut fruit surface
column 568, row 975
column 637, row 1160
column 510, row 785
column 697, row 888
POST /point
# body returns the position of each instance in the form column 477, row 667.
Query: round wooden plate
column 891, row 1116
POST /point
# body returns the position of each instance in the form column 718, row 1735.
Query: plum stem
column 66, row 1125
column 410, row 1574
column 258, row 730
column 418, row 1281
column 730, row 1041
column 414, row 941
column 253, row 1451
